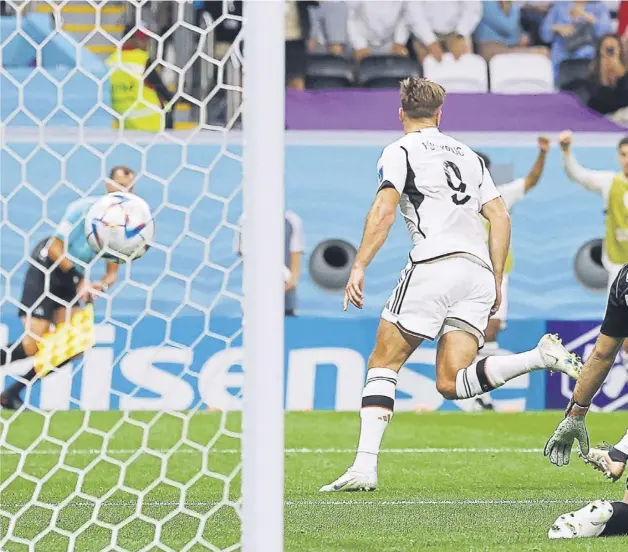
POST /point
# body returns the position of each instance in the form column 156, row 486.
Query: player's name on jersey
column 431, row 146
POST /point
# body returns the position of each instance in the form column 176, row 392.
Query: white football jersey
column 443, row 185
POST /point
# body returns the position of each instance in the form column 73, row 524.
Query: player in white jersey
column 451, row 283
column 511, row 193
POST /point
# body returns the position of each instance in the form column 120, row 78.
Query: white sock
column 467, row 382
column 500, row 369
column 378, row 400
column 491, row 372
column 622, row 446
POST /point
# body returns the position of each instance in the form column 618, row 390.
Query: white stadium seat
column 520, row 73
column 467, row 74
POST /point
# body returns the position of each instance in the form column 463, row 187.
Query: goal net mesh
column 136, row 446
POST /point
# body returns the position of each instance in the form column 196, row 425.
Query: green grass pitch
column 484, row 486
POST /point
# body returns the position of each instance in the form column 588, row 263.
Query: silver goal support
column 263, row 283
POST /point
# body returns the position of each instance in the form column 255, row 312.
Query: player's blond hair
column 421, row 98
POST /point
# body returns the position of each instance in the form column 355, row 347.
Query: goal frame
column 263, row 283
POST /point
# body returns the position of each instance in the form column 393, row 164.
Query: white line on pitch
column 469, row 502
column 163, row 451
column 444, row 502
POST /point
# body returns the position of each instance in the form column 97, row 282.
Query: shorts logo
column 380, row 175
column 38, row 311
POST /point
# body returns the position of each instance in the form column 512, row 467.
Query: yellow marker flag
column 66, row 342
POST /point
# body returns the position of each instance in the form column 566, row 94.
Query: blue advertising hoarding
column 149, row 365
column 579, row 337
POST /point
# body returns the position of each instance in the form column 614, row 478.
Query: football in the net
column 120, row 227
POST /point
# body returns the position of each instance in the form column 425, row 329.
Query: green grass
column 425, row 500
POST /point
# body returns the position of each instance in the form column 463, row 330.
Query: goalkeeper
column 54, row 283
column 600, row 518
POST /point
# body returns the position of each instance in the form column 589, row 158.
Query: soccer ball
column 120, row 226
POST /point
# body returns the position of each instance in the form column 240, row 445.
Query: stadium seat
column 520, row 73
column 467, row 74
column 327, row 71
column 572, row 70
column 386, row 71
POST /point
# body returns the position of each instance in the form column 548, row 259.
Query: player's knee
column 447, row 388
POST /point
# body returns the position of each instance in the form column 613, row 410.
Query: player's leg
column 392, row 349
column 10, row 397
column 611, row 460
column 492, row 332
column 456, row 382
column 411, row 314
column 617, row 525
column 34, row 328
column 459, row 376
column 35, row 311
column 597, row 519
column 496, row 324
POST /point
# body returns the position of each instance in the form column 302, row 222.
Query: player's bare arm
column 612, row 335
column 537, row 169
column 109, row 278
column 498, row 241
column 376, row 228
column 596, row 368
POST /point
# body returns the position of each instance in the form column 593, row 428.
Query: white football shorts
column 434, row 298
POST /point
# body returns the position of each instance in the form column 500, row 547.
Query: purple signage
column 377, row 110
column 579, row 337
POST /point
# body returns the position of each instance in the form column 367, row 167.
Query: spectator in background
column 532, row 15
column 329, row 28
column 137, row 94
column 444, row 26
column 297, row 28
column 378, row 28
column 227, row 30
column 500, row 31
column 573, row 28
column 609, row 90
column 294, row 247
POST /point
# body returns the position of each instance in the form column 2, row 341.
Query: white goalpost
column 168, row 434
column 262, row 476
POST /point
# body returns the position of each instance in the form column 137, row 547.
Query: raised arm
column 594, row 181
column 537, row 169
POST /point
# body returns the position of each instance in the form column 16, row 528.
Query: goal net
column 137, row 444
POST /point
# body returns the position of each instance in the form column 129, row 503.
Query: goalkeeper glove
column 572, row 428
